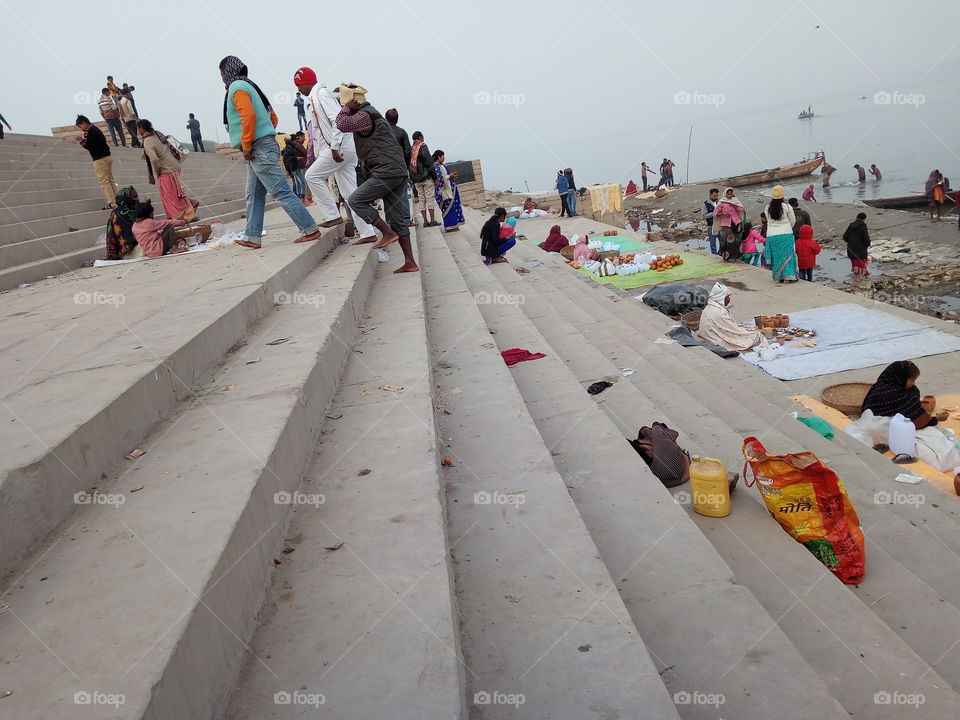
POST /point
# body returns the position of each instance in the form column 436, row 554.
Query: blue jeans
column 506, row 245
column 263, row 174
column 299, row 183
column 572, row 202
column 714, row 241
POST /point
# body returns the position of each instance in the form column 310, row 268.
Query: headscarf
column 732, row 201
column 581, row 252
column 889, row 395
column 119, row 236
column 631, row 187
column 718, row 294
column 555, row 241
column 235, row 69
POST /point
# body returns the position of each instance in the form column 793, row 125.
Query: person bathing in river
column 826, row 172
column 875, row 171
column 861, row 173
column 808, row 194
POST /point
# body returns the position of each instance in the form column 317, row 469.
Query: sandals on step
column 881, row 447
column 904, row 459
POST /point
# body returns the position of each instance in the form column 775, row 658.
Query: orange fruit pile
column 667, row 262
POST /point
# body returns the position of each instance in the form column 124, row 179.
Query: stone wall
column 473, row 194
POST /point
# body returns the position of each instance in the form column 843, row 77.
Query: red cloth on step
column 515, row 355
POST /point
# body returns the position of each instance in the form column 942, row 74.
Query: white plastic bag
column 870, row 429
column 382, row 255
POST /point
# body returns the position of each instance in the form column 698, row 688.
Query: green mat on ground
column 694, row 266
column 627, row 244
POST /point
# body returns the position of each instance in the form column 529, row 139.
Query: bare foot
column 307, row 238
column 387, row 240
column 331, row 223
column 364, row 240
column 453, row 229
column 407, row 267
column 247, row 243
column 500, row 260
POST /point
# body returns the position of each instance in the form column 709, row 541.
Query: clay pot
column 784, row 321
column 769, row 322
column 758, row 321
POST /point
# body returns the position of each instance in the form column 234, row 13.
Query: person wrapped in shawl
column 896, row 391
column 934, row 188
column 555, row 241
column 120, row 239
column 581, row 251
column 718, row 326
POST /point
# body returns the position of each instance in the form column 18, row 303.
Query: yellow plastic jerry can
column 710, row 487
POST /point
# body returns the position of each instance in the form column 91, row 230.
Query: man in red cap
column 334, row 151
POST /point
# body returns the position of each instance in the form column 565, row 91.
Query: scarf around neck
column 414, row 152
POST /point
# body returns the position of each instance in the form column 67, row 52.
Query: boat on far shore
column 806, row 114
column 784, row 172
column 907, row 201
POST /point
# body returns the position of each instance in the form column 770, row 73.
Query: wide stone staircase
column 52, row 216
column 349, row 507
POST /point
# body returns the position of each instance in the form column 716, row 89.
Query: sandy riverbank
column 926, row 279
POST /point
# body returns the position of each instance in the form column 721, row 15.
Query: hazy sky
column 526, row 87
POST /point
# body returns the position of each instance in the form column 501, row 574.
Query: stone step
column 669, row 576
column 381, row 606
column 681, row 391
column 153, row 599
column 167, row 331
column 539, row 613
column 89, row 247
column 38, row 188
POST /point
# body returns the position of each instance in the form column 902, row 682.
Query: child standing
column 807, row 251
column 752, row 246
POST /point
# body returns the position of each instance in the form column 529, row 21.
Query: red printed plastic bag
column 808, row 500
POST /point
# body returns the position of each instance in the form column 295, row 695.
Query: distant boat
column 907, row 201
column 806, row 114
column 784, row 172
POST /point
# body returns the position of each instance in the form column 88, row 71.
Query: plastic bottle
column 710, row 487
column 903, row 436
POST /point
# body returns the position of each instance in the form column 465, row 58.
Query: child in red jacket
column 807, row 251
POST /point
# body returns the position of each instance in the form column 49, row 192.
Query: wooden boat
column 805, row 115
column 784, row 172
column 909, row 201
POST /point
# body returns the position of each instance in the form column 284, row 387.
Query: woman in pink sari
column 162, row 162
column 730, row 213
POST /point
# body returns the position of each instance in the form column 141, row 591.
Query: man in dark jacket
column 382, row 171
column 95, row 143
column 709, row 205
column 424, row 179
column 802, row 216
column 403, row 140
column 857, row 239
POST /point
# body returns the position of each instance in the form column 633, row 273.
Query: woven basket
column 691, row 320
column 845, row 397
column 567, row 252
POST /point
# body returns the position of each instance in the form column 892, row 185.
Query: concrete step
column 381, row 606
column 154, row 599
column 821, row 617
column 539, row 613
column 59, row 341
column 14, row 276
column 682, row 391
column 669, row 576
column 24, row 190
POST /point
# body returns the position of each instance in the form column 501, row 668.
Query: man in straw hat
column 252, row 125
column 335, row 152
column 383, row 172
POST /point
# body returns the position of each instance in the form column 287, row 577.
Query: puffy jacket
column 807, row 248
column 290, row 162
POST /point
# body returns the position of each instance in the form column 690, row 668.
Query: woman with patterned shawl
column 120, row 239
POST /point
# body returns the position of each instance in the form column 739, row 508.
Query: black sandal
column 904, row 459
column 881, row 447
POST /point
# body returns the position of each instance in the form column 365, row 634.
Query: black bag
column 676, row 300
